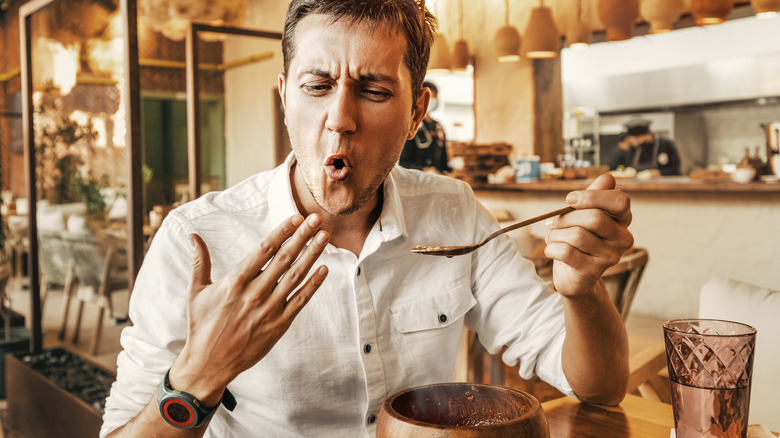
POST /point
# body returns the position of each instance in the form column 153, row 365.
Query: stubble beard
column 363, row 197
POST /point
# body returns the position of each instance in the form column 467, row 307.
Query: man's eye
column 316, row 89
column 376, row 95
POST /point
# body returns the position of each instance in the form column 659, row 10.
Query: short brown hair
column 403, row 15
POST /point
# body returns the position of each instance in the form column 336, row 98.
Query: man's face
column 638, row 140
column 348, row 110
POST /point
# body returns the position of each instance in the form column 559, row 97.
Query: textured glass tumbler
column 710, row 366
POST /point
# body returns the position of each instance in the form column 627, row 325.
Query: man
column 643, row 149
column 427, row 150
column 299, row 363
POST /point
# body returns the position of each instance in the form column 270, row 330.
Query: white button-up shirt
column 382, row 321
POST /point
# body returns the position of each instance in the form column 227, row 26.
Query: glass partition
column 79, row 157
column 232, row 129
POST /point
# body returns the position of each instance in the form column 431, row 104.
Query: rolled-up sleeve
column 516, row 309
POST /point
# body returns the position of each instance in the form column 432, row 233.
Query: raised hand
column 234, row 323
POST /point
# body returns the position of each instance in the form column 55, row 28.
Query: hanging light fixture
column 170, row 17
column 708, row 12
column 661, row 14
column 542, row 40
column 460, row 57
column 765, row 8
column 507, row 40
column 578, row 33
column 618, row 17
column 441, row 57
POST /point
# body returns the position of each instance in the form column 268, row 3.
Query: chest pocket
column 431, row 328
column 432, row 312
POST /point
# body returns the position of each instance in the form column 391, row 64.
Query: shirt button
column 367, row 348
column 358, row 271
column 371, row 419
column 442, row 318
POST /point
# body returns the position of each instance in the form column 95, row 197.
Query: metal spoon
column 450, row 251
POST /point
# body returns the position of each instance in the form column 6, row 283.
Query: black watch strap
column 182, row 410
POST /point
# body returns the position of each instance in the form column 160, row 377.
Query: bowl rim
column 534, row 410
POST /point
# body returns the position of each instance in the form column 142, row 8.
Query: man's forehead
column 316, row 22
column 319, row 28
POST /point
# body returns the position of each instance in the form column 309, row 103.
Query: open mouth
column 337, row 167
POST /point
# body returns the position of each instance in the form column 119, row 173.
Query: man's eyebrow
column 318, row 72
column 370, row 77
column 376, row 77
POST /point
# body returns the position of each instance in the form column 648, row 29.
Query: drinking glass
column 710, row 366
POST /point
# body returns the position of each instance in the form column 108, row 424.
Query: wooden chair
column 622, row 279
column 100, row 267
column 56, row 270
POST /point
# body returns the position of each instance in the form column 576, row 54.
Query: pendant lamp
column 542, row 40
column 441, row 57
column 708, row 12
column 578, row 33
column 765, row 8
column 661, row 14
column 618, row 17
column 460, row 56
column 507, row 41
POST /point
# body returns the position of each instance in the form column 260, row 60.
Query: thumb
column 201, row 264
column 605, row 181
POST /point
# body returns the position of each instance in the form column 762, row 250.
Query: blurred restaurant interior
column 113, row 112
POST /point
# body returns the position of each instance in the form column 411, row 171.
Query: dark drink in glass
column 710, row 366
column 709, row 413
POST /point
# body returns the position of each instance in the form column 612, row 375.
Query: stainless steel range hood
column 730, row 62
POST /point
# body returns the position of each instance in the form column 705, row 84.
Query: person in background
column 293, row 298
column 643, row 149
column 427, row 151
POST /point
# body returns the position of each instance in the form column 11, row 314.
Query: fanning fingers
column 290, row 251
column 251, row 266
column 297, row 272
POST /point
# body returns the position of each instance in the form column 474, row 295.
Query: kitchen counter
column 664, row 184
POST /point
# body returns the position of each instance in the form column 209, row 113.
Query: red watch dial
column 179, row 413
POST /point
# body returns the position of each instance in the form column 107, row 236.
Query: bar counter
column 664, row 184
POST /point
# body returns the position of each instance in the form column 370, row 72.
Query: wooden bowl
column 461, row 410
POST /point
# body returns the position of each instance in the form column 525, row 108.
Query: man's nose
column 342, row 113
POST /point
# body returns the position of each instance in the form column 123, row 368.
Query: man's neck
column 346, row 231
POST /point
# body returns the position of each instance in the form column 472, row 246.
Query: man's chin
column 339, row 208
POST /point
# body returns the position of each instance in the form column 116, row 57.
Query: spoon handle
column 530, row 221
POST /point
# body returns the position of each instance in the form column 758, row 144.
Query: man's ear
column 419, row 110
column 281, row 87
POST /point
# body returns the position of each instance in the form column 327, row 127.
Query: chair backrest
column 622, row 279
column 94, row 261
column 759, row 307
column 53, row 257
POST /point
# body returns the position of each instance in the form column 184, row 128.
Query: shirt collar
column 391, row 222
column 281, row 202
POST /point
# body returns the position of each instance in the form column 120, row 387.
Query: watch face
column 178, row 413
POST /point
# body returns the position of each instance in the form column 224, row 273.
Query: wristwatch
column 182, row 410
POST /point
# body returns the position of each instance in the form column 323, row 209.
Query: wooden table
column 635, row 417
